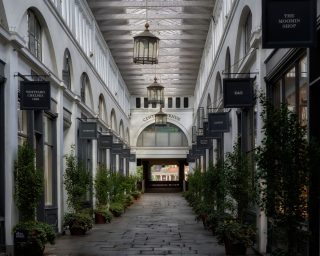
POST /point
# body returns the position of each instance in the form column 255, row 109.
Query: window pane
column 290, row 96
column 277, row 94
column 149, row 139
column 185, row 102
column 138, row 103
column 170, row 102
column 48, row 191
column 162, row 139
column 177, row 102
column 303, row 92
column 145, row 102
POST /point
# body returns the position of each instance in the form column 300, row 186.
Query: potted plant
column 102, row 187
column 283, row 171
column 116, row 208
column 77, row 182
column 30, row 235
column 235, row 236
column 233, row 230
column 136, row 194
column 78, row 223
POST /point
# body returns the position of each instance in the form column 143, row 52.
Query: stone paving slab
column 157, row 224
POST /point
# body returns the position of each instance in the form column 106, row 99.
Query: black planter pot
column 233, row 248
column 26, row 246
column 77, row 231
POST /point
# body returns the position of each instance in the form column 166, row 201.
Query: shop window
column 48, row 160
column 292, row 89
column 138, row 103
column 185, row 102
column 22, row 126
column 178, row 103
column 34, row 35
column 170, row 102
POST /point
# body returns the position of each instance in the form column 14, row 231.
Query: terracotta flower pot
column 99, row 218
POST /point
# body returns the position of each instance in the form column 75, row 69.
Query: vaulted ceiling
column 181, row 25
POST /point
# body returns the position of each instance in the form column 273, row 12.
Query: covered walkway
column 157, row 224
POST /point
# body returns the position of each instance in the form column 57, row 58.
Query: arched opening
column 243, row 37
column 102, row 109
column 113, row 120
column 162, row 136
column 85, row 90
column 66, row 71
column 217, row 97
column 165, row 174
column 227, row 67
column 121, row 129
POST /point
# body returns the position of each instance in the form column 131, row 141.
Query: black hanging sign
column 218, row 122
column 197, row 152
column 132, row 158
column 203, row 142
column 117, row 148
column 88, row 130
column 126, row 152
column 210, row 134
column 190, row 158
column 289, row 23
column 105, row 141
column 35, row 95
column 237, row 92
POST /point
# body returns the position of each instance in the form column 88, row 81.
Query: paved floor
column 157, row 224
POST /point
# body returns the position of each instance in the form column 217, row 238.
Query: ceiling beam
column 109, row 16
column 159, row 72
column 162, row 66
column 162, row 54
column 162, row 46
column 201, row 37
column 155, row 3
column 153, row 28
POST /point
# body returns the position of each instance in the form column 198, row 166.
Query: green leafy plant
column 116, row 208
column 28, row 183
column 239, row 181
column 101, row 185
column 77, row 181
column 236, row 232
column 37, row 235
column 283, row 172
column 28, row 193
column 136, row 194
column 105, row 212
column 79, row 222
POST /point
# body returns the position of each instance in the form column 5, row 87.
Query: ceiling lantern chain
column 146, row 46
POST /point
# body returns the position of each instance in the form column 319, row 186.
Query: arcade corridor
column 157, row 224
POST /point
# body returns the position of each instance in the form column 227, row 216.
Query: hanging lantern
column 155, row 93
column 146, row 48
column 160, row 118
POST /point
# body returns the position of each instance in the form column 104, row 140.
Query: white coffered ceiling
column 181, row 25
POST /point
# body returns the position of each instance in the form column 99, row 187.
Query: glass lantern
column 160, row 118
column 146, row 47
column 155, row 93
